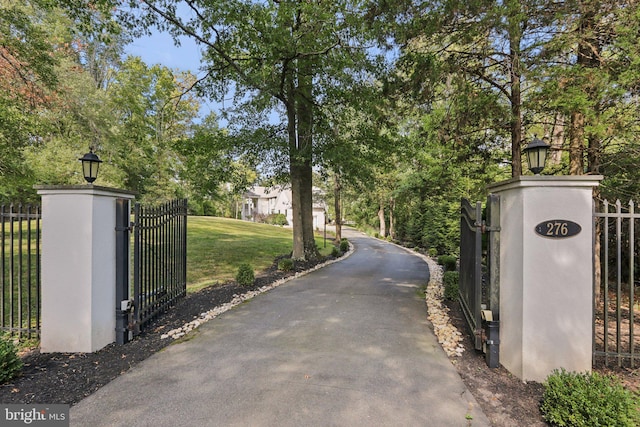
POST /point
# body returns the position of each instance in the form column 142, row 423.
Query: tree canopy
column 404, row 106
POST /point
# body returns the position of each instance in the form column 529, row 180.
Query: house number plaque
column 558, row 228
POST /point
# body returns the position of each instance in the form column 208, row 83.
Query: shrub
column 448, row 262
column 245, row 276
column 433, row 252
column 277, row 219
column 335, row 252
column 285, row 264
column 450, row 279
column 588, row 399
column 10, row 363
column 344, row 245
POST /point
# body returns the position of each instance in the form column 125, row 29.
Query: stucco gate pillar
column 546, row 274
column 78, row 267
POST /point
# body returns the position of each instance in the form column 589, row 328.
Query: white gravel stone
column 448, row 335
column 239, row 299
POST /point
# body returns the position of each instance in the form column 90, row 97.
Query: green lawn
column 217, row 246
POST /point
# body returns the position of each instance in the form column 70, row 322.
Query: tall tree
column 27, row 79
column 279, row 52
column 490, row 45
column 152, row 113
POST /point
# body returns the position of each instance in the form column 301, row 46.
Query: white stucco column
column 546, row 274
column 78, row 267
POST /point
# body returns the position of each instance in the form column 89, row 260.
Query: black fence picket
column 20, row 228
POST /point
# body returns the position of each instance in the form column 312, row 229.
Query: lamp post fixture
column 90, row 166
column 536, row 152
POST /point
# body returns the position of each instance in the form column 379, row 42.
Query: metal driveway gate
column 159, row 263
column 159, row 259
column 479, row 293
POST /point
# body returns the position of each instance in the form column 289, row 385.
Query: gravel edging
column 239, row 299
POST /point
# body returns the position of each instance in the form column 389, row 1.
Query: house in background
column 260, row 202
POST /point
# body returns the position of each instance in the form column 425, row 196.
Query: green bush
column 433, row 252
column 344, row 245
column 589, row 400
column 448, row 262
column 10, row 363
column 245, row 276
column 276, row 219
column 285, row 264
column 451, row 287
column 335, row 252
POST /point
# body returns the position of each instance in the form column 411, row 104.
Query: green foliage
column 344, row 245
column 277, row 219
column 588, row 400
column 450, row 281
column 448, row 262
column 10, row 363
column 285, row 264
column 335, row 252
column 245, row 275
column 433, row 252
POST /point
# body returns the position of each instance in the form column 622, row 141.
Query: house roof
column 263, row 192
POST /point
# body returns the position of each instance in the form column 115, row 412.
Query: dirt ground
column 68, row 378
column 505, row 399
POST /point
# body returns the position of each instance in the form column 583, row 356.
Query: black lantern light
column 90, row 165
column 536, row 152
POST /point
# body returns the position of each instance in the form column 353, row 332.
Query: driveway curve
column 346, row 345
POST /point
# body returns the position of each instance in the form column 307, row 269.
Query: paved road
column 347, row 345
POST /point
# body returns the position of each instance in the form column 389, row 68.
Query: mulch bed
column 505, row 399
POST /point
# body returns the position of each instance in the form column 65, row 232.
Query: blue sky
column 160, row 49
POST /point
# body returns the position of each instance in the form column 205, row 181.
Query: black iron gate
column 479, row 264
column 159, row 263
column 471, row 267
column 159, row 259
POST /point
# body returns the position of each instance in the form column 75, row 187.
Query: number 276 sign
column 558, row 228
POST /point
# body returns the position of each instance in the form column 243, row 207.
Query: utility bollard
column 492, row 344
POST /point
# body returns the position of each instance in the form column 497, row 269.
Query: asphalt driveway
column 347, row 345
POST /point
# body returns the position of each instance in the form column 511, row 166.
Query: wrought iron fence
column 20, row 270
column 159, row 258
column 616, row 336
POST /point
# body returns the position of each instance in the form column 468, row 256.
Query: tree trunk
column 557, row 140
column 304, row 156
column 392, row 227
column 588, row 56
column 597, row 258
column 295, row 176
column 515, row 36
column 337, row 187
column 576, row 144
column 294, row 172
column 383, row 226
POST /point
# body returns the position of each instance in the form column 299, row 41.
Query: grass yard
column 217, row 246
